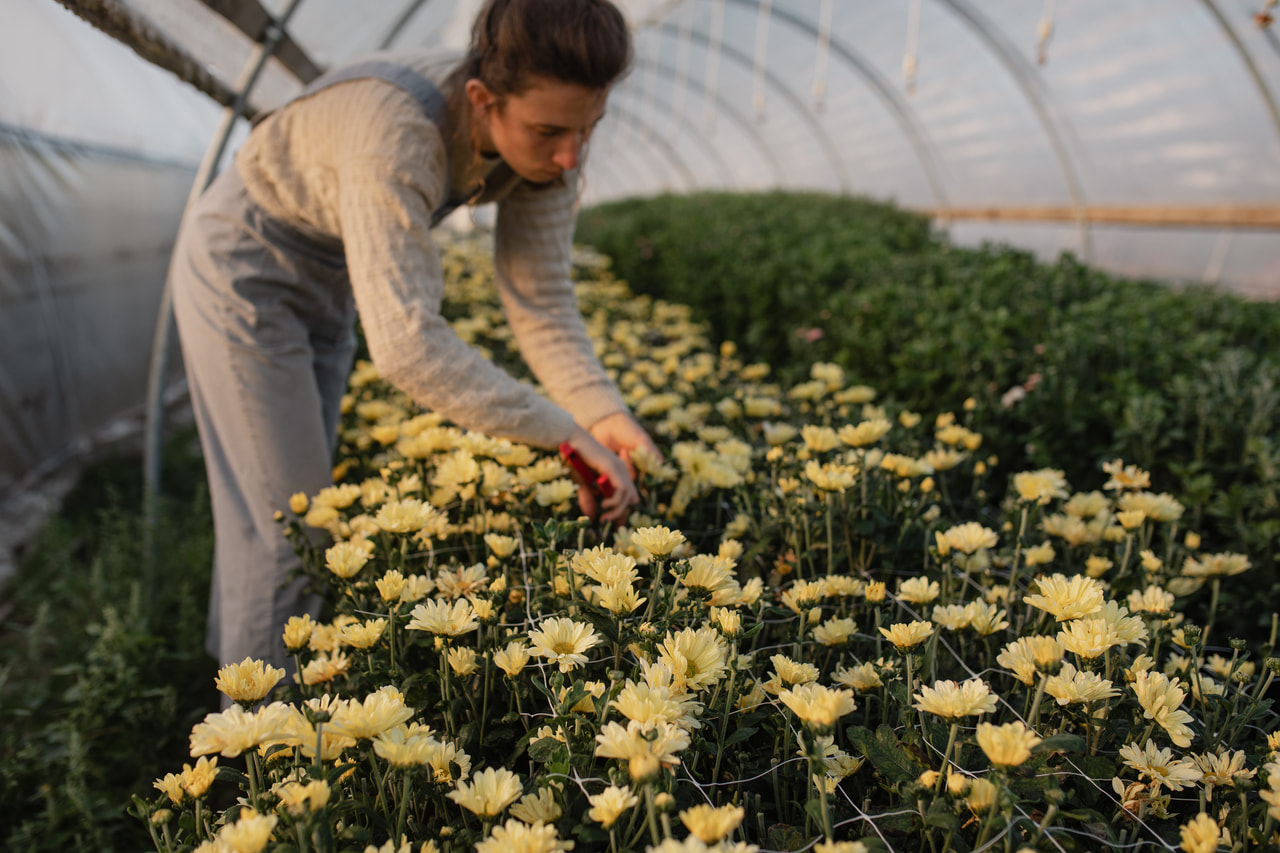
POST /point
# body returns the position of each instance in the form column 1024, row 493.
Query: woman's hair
column 583, row 42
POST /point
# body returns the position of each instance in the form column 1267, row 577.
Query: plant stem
column 818, row 773
column 652, row 815
column 381, row 781
column 724, row 718
column 404, row 808
column 1017, row 554
column 831, row 542
column 251, row 762
column 444, row 692
column 1213, row 608
column 946, row 754
column 1034, row 716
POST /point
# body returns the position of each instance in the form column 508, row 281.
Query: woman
column 328, row 211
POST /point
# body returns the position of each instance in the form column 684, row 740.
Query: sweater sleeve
column 532, row 259
column 385, row 197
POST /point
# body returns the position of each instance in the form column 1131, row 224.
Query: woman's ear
column 480, row 95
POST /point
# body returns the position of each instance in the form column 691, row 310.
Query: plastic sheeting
column 939, row 105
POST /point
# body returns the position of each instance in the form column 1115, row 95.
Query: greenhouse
column 892, row 462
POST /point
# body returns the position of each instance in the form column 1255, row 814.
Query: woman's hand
column 607, row 449
column 620, row 433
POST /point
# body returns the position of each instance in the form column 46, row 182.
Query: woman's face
column 541, row 131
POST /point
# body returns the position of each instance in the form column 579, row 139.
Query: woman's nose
column 566, row 156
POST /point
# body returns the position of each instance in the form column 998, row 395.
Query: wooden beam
column 121, row 23
column 250, row 18
column 1159, row 216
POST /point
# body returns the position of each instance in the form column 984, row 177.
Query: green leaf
column 545, row 750
column 786, row 837
column 941, row 815
column 1062, row 742
column 740, row 735
column 886, row 753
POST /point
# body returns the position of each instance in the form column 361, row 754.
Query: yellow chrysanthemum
column 1161, row 700
column 324, row 667
column 363, row 635
column 949, row 699
column 696, row 657
column 462, row 660
column 610, row 804
column 366, row 718
column 249, row 681
column 501, row 546
column 1215, row 565
column 835, row 632
column 708, row 574
column 346, row 559
column 1222, row 769
column 249, row 834
column 513, row 658
column 540, row 806
column 831, row 477
column 563, row 641
column 297, row 631
column 405, row 516
column 861, row 677
column 197, row 778
column 488, row 793
column 405, row 747
column 646, row 748
column 710, row 824
column 554, row 493
column 907, row 635
column 919, row 590
column 1067, row 597
column 1153, row 600
column 816, row 705
column 1041, row 486
column 966, row 538
column 449, row 619
column 1073, row 686
column 171, row 785
column 1125, row 476
column 235, row 730
column 336, row 497
column 819, row 439
column 448, row 763
column 1009, row 745
column 1158, row 766
column 866, row 433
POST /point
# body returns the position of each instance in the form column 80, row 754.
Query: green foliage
column 104, row 671
column 1180, row 382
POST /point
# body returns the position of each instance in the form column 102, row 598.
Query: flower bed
column 811, row 635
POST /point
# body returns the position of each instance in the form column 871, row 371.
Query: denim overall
column 266, row 317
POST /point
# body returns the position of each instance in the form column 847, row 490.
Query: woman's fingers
column 603, row 460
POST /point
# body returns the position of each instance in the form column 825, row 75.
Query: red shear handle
column 584, row 473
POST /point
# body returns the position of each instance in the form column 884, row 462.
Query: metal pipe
column 713, row 62
column 694, row 133
column 818, row 132
column 736, row 117
column 762, row 50
column 406, row 15
column 1055, row 126
column 1259, row 82
column 898, row 107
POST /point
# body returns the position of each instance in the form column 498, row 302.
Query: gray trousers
column 266, row 318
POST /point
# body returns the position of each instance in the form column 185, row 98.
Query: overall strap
column 429, row 97
column 422, row 89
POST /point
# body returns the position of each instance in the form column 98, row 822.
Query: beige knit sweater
column 360, row 161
